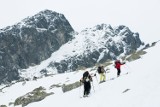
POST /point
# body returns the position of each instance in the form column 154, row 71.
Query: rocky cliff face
column 99, row 44
column 31, row 41
column 91, row 46
column 34, row 39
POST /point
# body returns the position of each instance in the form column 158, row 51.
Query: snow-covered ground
column 141, row 85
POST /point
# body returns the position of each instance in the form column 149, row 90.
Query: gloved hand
column 91, row 80
column 80, row 80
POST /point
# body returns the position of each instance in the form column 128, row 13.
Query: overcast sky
column 141, row 16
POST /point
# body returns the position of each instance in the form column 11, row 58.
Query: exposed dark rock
column 3, row 106
column 69, row 87
column 110, row 49
column 31, row 41
column 136, row 55
column 55, row 86
column 36, row 38
column 36, row 95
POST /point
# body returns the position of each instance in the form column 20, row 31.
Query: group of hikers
column 87, row 78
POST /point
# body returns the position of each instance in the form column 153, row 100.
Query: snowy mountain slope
column 141, row 85
column 142, row 82
column 89, row 47
column 33, row 40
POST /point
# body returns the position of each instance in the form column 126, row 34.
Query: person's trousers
column 87, row 88
column 118, row 71
column 102, row 77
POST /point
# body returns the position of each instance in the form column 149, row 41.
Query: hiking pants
column 87, row 88
column 118, row 71
column 102, row 77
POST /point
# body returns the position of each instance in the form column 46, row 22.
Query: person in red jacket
column 118, row 67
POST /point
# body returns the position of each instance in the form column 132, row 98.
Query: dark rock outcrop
column 31, row 41
column 69, row 87
column 35, row 38
column 110, row 44
column 36, row 95
column 3, row 106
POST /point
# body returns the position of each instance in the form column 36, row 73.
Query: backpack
column 86, row 77
column 99, row 70
column 116, row 62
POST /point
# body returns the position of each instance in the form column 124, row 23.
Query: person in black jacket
column 86, row 79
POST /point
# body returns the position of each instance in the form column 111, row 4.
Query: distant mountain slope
column 28, row 45
column 91, row 46
column 31, row 41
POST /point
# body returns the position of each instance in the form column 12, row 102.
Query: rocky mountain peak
column 90, row 47
column 31, row 41
column 26, row 44
column 99, row 27
column 102, row 27
column 46, row 19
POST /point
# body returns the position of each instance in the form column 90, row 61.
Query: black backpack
column 116, row 62
column 86, row 77
column 99, row 70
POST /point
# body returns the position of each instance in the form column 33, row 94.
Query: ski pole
column 96, row 78
column 129, row 67
column 93, row 87
column 80, row 89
